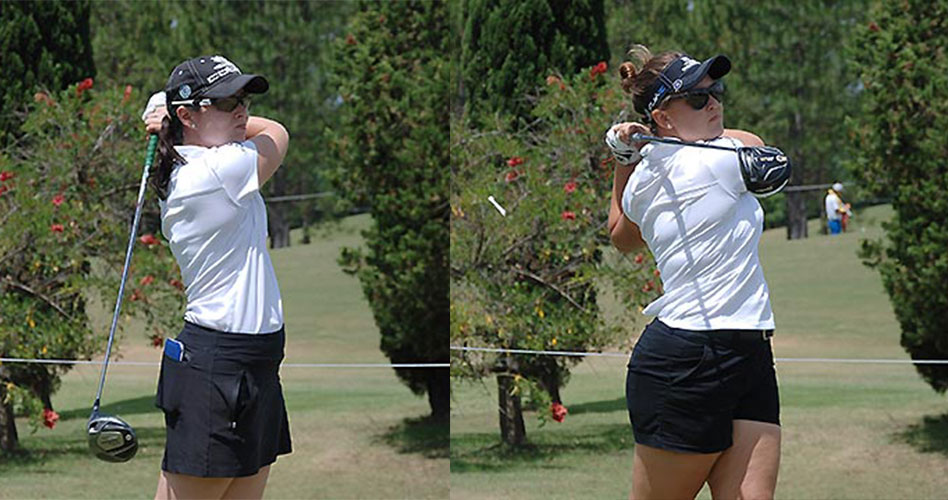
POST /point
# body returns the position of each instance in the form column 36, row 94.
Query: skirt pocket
column 173, row 381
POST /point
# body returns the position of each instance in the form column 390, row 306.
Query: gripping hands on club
column 625, row 150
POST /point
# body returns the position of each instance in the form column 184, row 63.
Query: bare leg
column 662, row 474
column 181, row 486
column 248, row 487
column 748, row 469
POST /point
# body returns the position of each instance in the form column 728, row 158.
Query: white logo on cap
column 185, row 91
column 677, row 84
column 688, row 63
column 223, row 67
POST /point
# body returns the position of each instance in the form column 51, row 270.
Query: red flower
column 639, row 258
column 558, row 411
column 657, row 273
column 175, row 283
column 50, row 418
column 598, row 69
column 83, row 86
column 136, row 296
column 5, row 176
column 649, row 286
column 4, row 189
column 511, row 176
column 56, row 228
column 873, row 26
column 147, row 280
column 157, row 340
column 569, row 187
column 58, row 199
column 567, row 215
column 350, row 40
column 149, row 240
column 514, row 161
column 128, row 94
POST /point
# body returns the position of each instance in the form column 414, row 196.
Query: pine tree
column 45, row 45
column 392, row 154
column 901, row 54
column 511, row 46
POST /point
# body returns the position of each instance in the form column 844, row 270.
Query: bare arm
column 747, row 138
column 272, row 141
column 625, row 234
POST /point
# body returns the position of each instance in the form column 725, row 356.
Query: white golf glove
column 157, row 99
column 625, row 154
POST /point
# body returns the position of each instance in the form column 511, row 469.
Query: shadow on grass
column 423, row 435
column 617, row 404
column 483, row 452
column 929, row 436
column 144, row 404
column 72, row 446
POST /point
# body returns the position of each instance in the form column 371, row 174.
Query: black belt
column 750, row 335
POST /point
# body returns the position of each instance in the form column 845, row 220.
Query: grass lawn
column 849, row 431
column 357, row 433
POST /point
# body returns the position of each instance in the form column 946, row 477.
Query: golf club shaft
column 149, row 157
column 666, row 140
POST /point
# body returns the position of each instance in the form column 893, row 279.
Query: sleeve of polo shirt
column 236, row 168
column 726, row 166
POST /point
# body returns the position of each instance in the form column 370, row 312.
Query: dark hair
column 171, row 134
column 639, row 76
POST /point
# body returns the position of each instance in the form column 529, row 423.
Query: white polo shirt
column 703, row 227
column 216, row 222
column 833, row 206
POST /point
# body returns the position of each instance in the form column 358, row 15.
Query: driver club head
column 111, row 438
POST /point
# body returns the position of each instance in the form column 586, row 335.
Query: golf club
column 667, row 140
column 111, row 438
column 765, row 169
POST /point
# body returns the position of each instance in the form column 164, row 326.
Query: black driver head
column 111, row 438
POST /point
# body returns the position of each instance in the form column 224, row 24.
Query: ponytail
column 160, row 173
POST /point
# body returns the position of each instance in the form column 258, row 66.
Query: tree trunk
column 512, row 430
column 307, row 208
column 796, row 215
column 439, row 393
column 279, row 225
column 277, row 220
column 8, row 437
column 551, row 381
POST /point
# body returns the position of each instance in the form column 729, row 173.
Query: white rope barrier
column 286, row 365
column 778, row 360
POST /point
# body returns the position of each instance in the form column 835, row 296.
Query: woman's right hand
column 153, row 120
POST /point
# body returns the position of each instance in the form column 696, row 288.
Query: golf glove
column 625, row 154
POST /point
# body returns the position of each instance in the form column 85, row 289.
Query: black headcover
column 765, row 169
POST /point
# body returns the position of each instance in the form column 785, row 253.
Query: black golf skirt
column 223, row 403
column 685, row 388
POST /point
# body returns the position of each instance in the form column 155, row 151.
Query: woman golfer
column 219, row 386
column 701, row 388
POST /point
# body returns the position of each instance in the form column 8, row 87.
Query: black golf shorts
column 685, row 388
column 223, row 403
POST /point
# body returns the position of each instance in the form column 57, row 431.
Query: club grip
column 150, row 152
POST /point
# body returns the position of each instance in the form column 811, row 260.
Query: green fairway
column 357, row 433
column 849, row 430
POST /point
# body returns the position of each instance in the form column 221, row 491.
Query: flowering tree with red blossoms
column 67, row 197
column 536, row 277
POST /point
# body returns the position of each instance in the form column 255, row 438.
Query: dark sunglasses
column 228, row 104
column 698, row 98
